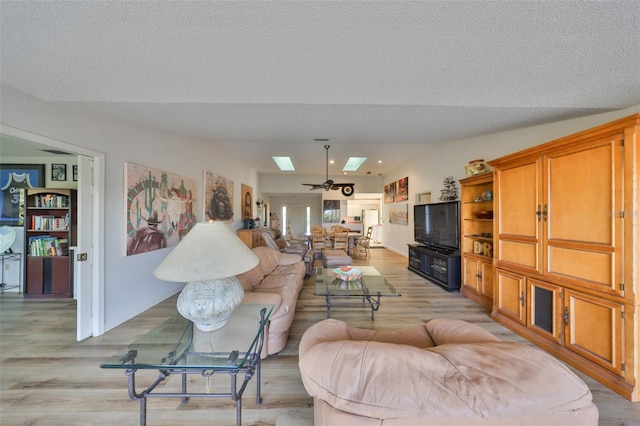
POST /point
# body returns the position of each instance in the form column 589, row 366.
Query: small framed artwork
column 58, row 172
column 75, row 172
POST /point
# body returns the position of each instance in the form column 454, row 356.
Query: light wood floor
column 47, row 378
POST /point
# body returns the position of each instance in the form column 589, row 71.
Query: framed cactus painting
column 159, row 208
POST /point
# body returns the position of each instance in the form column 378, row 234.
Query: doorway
column 298, row 219
column 90, row 286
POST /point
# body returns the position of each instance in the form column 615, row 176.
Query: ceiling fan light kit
column 346, row 188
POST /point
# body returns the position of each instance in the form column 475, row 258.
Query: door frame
column 94, row 225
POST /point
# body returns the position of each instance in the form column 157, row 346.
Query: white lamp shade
column 209, row 251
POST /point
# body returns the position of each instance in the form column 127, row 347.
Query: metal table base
column 235, row 393
column 374, row 302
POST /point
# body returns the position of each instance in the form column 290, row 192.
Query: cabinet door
column 34, row 278
column 582, row 242
column 594, row 328
column 545, row 309
column 486, row 279
column 57, row 275
column 471, row 273
column 518, row 202
column 510, row 295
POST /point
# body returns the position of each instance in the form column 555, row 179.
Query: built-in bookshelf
column 49, row 232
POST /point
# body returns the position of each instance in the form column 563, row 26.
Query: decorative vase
column 477, row 167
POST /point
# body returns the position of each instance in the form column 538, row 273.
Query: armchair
column 443, row 372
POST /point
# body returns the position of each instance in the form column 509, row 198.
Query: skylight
column 353, row 164
column 284, row 163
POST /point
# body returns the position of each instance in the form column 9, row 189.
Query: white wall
column 129, row 285
column 429, row 167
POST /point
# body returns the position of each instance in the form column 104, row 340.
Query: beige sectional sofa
column 444, row 372
column 277, row 279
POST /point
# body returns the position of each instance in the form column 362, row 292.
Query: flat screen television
column 437, row 225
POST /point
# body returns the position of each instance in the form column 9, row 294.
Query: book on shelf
column 47, row 245
column 51, row 201
column 50, row 223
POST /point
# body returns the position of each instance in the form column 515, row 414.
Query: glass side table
column 178, row 347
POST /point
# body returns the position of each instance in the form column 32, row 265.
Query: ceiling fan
column 346, row 188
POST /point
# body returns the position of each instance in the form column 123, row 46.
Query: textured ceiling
column 380, row 79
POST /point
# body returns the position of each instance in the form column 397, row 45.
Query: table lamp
column 207, row 259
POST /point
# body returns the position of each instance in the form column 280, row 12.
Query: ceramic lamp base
column 210, row 303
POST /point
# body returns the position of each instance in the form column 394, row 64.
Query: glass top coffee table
column 178, row 347
column 370, row 288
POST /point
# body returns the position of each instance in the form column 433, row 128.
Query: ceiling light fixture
column 284, row 163
column 353, row 164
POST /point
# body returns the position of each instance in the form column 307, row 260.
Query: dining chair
column 363, row 244
column 318, row 241
column 341, row 241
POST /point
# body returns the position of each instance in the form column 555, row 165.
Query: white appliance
column 371, row 218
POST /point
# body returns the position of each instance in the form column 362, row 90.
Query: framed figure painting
column 14, row 180
column 218, row 197
column 59, row 172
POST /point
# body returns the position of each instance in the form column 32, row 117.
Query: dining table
column 352, row 235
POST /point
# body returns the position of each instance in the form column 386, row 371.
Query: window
column 284, row 220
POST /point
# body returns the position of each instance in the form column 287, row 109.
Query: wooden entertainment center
column 565, row 266
column 550, row 244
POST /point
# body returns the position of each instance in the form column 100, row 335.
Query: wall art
column 399, row 214
column 59, row 172
column 331, row 211
column 402, row 190
column 247, row 201
column 218, row 197
column 14, row 179
column 159, row 208
column 389, row 192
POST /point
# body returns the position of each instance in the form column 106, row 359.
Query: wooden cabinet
column 50, row 232
column 567, row 250
column 477, row 239
column 252, row 237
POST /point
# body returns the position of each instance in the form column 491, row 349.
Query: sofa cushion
column 289, row 259
column 263, row 298
column 450, row 330
column 268, row 258
column 252, row 278
column 284, row 275
column 286, row 310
